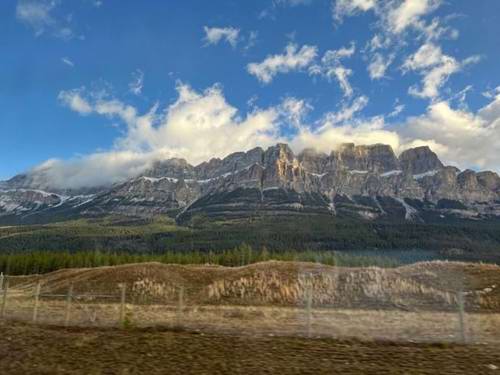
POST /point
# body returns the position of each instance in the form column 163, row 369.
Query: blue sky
column 93, row 91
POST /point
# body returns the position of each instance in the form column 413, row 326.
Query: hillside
column 423, row 286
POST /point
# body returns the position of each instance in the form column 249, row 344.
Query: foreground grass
column 28, row 349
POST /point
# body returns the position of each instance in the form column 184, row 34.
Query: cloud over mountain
column 202, row 125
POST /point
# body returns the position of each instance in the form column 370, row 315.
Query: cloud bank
column 202, row 125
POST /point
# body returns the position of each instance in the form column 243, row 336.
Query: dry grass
column 395, row 325
column 416, row 303
column 424, row 286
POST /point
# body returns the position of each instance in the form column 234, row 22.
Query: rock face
column 174, row 168
column 490, row 180
column 369, row 182
column 376, row 158
column 420, row 160
column 20, row 201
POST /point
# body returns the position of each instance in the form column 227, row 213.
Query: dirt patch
column 27, row 349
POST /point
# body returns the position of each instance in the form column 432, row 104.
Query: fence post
column 37, row 299
column 4, row 299
column 309, row 308
column 68, row 305
column 1, row 280
column 461, row 317
column 122, row 303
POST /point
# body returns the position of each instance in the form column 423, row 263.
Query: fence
column 230, row 305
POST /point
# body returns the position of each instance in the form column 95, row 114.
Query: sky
column 93, row 91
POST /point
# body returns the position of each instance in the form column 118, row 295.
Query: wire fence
column 220, row 306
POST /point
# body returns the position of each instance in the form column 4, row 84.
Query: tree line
column 40, row 262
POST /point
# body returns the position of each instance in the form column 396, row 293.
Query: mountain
column 366, row 182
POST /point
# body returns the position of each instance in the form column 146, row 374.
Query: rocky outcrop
column 419, row 160
column 19, row 201
column 490, row 180
column 375, row 158
column 174, row 168
column 368, row 181
column 230, row 164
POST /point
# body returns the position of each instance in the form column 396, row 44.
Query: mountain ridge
column 367, row 181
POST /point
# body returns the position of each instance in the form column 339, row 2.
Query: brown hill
column 426, row 286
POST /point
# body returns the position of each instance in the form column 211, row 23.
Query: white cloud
column 397, row 110
column 342, row 75
column 379, row 65
column 330, row 134
column 435, row 67
column 492, row 93
column 434, row 30
column 427, row 56
column 198, row 126
column 68, row 62
column 251, row 40
column 395, row 15
column 460, row 137
column 293, row 59
column 331, row 67
column 137, row 83
column 74, row 100
column 214, row 35
column 202, row 125
column 294, row 110
column 491, row 112
column 409, row 12
column 39, row 16
column 270, row 11
column 379, row 41
column 97, row 169
column 35, row 14
column 348, row 111
column 395, row 21
column 343, row 8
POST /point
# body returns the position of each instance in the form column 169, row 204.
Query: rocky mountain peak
column 230, row 164
column 468, row 180
column 489, row 180
column 282, row 168
column 420, row 160
column 281, row 152
column 175, row 167
column 376, row 158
